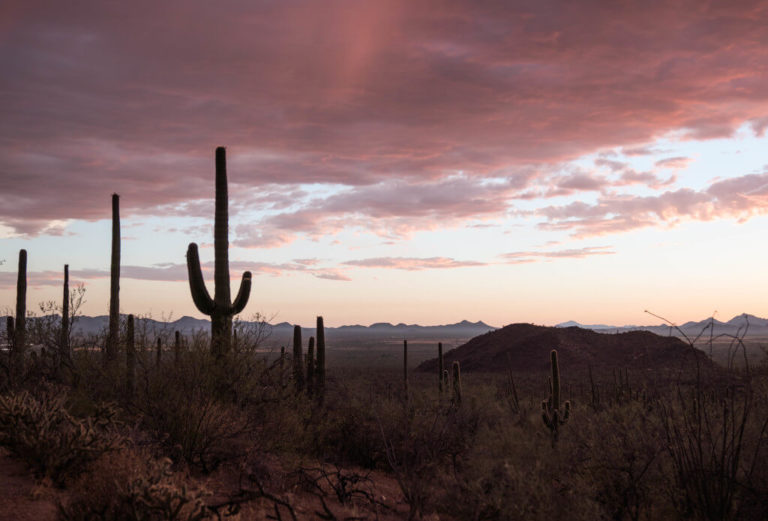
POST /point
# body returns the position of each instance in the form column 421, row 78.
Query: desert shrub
column 133, row 486
column 185, row 409
column 623, row 458
column 41, row 431
column 716, row 447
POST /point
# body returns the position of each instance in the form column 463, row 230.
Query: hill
column 526, row 347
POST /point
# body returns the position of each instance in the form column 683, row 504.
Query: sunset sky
column 401, row 161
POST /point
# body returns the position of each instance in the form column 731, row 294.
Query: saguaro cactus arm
column 243, row 294
column 200, row 295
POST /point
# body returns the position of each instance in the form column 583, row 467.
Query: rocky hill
column 526, row 347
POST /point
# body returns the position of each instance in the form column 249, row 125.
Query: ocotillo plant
column 130, row 358
column 320, row 365
column 20, row 332
column 440, row 366
column 64, row 353
column 456, row 382
column 311, row 366
column 298, row 366
column 551, row 415
column 220, row 308
column 110, row 352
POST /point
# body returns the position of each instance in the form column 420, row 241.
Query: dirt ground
column 21, row 497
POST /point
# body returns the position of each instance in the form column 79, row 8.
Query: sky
column 419, row 162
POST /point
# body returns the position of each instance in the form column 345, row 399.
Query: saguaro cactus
column 456, row 382
column 64, row 353
column 176, row 347
column 440, row 365
column 20, row 331
column 320, row 363
column 551, row 414
column 298, row 366
column 405, row 367
column 220, row 308
column 130, row 358
column 110, row 352
column 311, row 366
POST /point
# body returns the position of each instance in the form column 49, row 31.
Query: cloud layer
column 408, row 106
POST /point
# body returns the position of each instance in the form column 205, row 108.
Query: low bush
column 40, row 431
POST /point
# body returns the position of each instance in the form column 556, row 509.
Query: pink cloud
column 412, row 263
column 740, row 198
column 132, row 97
column 674, row 162
column 571, row 253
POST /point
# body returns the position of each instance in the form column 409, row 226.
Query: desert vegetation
column 151, row 425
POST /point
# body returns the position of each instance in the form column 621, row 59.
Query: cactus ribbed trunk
column 64, row 352
column 551, row 414
column 113, row 337
column 311, row 366
column 298, row 366
column 320, row 365
column 130, row 358
column 220, row 308
column 20, row 332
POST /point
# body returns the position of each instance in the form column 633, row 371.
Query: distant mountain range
column 738, row 325
column 281, row 333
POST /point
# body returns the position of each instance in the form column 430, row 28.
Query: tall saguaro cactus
column 64, row 353
column 320, row 362
column 20, row 329
column 298, row 366
column 113, row 337
column 551, row 414
column 220, row 308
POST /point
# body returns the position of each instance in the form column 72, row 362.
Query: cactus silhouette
column 64, row 353
column 320, row 362
column 311, row 366
column 220, row 308
column 20, row 331
column 551, row 414
column 456, row 382
column 298, row 366
column 130, row 358
column 440, row 365
column 113, row 337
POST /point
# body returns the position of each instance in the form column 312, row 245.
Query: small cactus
column 440, row 366
column 551, row 414
column 176, row 347
column 405, row 367
column 456, row 383
column 130, row 358
column 220, row 308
